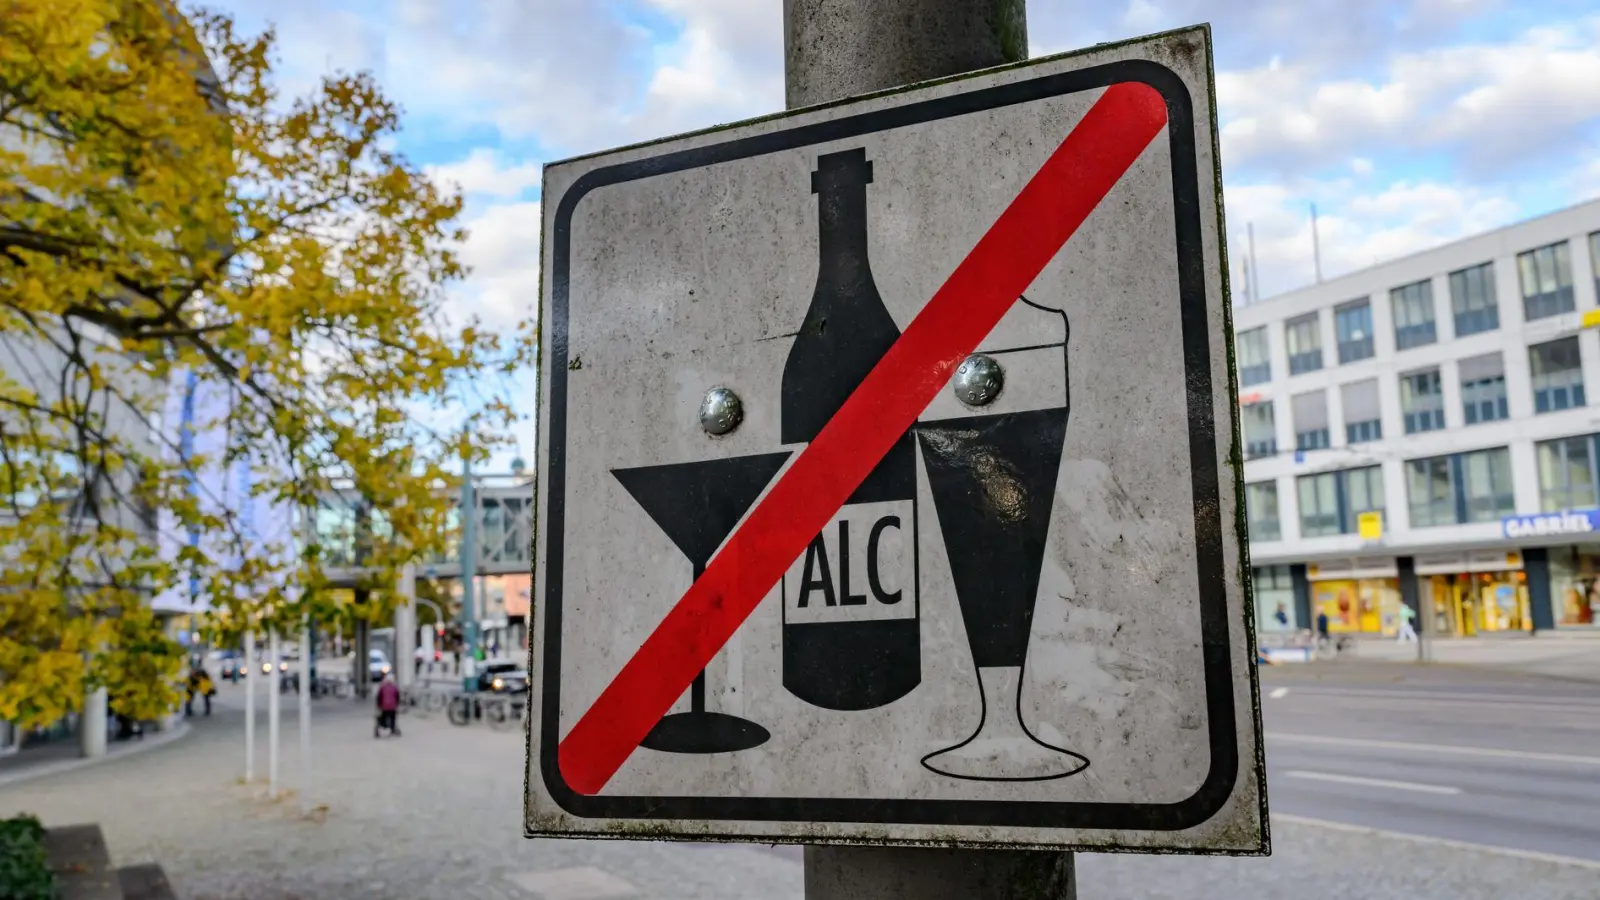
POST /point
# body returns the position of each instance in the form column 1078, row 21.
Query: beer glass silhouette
column 993, row 480
column 697, row 505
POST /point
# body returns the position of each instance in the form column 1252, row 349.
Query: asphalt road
column 1484, row 758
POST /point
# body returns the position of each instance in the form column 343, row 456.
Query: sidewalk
column 64, row 755
column 1573, row 656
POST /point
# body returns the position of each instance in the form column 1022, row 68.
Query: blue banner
column 1579, row 521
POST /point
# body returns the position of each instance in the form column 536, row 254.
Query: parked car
column 502, row 678
column 377, row 664
column 231, row 665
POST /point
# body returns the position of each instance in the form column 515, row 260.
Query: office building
column 1427, row 431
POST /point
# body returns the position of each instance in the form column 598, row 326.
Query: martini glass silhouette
column 697, row 505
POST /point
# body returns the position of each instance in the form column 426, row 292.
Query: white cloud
column 484, row 173
column 503, row 251
column 1491, row 103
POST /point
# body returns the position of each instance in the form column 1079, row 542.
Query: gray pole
column 469, row 574
column 832, row 50
column 305, row 716
column 250, row 664
column 1316, row 246
column 274, row 711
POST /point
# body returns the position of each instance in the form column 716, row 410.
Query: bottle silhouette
column 851, row 634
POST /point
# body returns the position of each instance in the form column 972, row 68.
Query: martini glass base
column 704, row 732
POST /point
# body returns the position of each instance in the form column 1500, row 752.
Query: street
column 1506, row 762
column 1496, row 760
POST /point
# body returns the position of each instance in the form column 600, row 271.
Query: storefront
column 1475, row 592
column 1575, row 585
column 1273, row 587
column 1359, row 596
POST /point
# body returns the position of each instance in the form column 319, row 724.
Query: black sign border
column 1218, row 785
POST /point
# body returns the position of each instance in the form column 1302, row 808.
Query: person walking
column 199, row 683
column 388, row 707
column 1323, row 638
column 1408, row 631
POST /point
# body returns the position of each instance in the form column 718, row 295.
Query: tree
column 161, row 218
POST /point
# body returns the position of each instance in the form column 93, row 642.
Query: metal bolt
column 721, row 411
column 978, row 381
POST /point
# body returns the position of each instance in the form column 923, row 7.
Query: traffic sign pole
column 832, row 51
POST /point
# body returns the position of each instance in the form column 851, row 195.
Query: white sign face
column 885, row 469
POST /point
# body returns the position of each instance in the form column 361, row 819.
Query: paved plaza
column 435, row 814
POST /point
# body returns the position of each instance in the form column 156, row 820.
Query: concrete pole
column 250, row 664
column 835, row 49
column 405, row 628
column 305, row 718
column 92, row 724
column 274, row 709
column 469, row 576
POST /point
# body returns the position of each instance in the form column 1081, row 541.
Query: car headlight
column 266, row 668
column 498, row 684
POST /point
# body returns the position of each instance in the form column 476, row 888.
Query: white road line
column 1584, row 703
column 1437, row 841
column 1278, row 693
column 1566, row 758
column 1374, row 782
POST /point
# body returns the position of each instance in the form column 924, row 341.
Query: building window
column 1489, row 495
column 1310, row 420
column 1472, row 298
column 1422, row 401
column 1261, row 505
column 1332, row 502
column 1260, row 430
column 1363, row 416
column 1431, row 491
column 1567, row 474
column 1462, row 488
column 1413, row 315
column 1546, row 278
column 1273, row 587
column 1255, row 360
column 1557, row 375
column 1353, row 324
column 1594, row 260
column 1305, row 344
column 1483, row 389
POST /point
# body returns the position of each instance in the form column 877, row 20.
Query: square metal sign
column 889, row 475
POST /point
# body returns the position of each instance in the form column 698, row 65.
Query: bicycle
column 503, row 714
column 460, row 710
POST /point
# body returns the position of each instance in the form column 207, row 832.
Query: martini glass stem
column 697, row 692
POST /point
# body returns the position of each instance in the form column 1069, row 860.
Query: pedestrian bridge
column 504, row 515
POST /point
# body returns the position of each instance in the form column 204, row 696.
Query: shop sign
column 1370, row 526
column 1580, row 521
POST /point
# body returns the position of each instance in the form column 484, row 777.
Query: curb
column 71, row 765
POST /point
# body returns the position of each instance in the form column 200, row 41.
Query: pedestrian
column 199, row 684
column 1408, row 631
column 458, row 660
column 1282, row 617
column 417, row 666
column 388, row 707
column 1322, row 627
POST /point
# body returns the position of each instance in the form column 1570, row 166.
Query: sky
column 1408, row 123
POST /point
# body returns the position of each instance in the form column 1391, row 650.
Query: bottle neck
column 842, row 234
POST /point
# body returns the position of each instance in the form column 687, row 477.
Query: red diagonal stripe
column 1008, row 258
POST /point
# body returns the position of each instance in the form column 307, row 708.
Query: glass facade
column 1358, row 606
column 1460, row 488
column 1545, row 275
column 1254, row 355
column 1332, row 502
column 1472, row 299
column 1422, row 401
column 1352, row 323
column 1261, row 506
column 1273, row 587
column 1304, row 337
column 1567, row 473
column 1557, row 373
column 1260, row 429
column 1575, row 585
column 1483, row 389
column 1413, row 315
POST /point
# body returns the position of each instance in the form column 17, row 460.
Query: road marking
column 1374, row 782
column 1567, row 758
column 1278, row 693
column 1584, row 703
column 1438, row 841
column 1076, row 177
